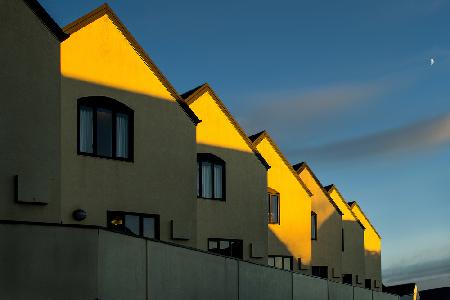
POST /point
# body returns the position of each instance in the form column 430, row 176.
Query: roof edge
column 356, row 205
column 46, row 19
column 333, row 187
column 257, row 138
column 105, row 9
column 300, row 167
column 192, row 95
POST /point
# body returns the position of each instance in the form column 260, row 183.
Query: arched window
column 210, row 177
column 105, row 128
column 313, row 226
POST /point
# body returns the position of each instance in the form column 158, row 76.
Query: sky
column 345, row 85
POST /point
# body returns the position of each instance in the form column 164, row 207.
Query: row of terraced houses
column 93, row 134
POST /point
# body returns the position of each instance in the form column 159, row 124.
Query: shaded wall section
column 29, row 116
column 43, row 261
column 160, row 179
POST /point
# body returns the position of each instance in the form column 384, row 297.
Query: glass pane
column 236, row 249
column 274, row 209
column 198, row 179
column 104, row 132
column 86, row 129
column 122, row 135
column 224, row 244
column 279, row 262
column 116, row 221
column 206, row 180
column 212, row 245
column 148, row 227
column 132, row 224
column 313, row 226
column 287, row 263
column 271, row 261
column 218, row 181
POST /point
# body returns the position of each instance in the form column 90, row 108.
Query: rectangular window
column 122, row 132
column 347, row 278
column 104, row 132
column 274, row 208
column 313, row 226
column 280, row 262
column 320, row 271
column 368, row 284
column 342, row 240
column 227, row 247
column 144, row 225
column 86, row 129
column 210, row 177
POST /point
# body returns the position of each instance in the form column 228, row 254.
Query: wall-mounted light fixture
column 79, row 214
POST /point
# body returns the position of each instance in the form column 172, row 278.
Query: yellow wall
column 372, row 246
column 90, row 54
column 326, row 250
column 216, row 129
column 292, row 237
column 353, row 256
column 97, row 60
column 243, row 214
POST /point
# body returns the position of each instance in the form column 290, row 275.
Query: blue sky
column 345, row 85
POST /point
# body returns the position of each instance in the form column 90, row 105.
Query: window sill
column 105, row 157
column 212, row 199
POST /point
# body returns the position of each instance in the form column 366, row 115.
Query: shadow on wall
column 162, row 152
column 239, row 213
column 326, row 250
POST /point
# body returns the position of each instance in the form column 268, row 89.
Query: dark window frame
column 313, row 214
column 368, row 283
column 320, row 271
column 345, row 278
column 342, row 241
column 102, row 102
column 121, row 229
column 291, row 261
column 218, row 240
column 213, row 160
column 270, row 193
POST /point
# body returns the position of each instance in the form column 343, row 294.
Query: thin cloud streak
column 280, row 111
column 421, row 135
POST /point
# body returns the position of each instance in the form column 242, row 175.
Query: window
column 133, row 223
column 313, row 226
column 320, row 271
column 368, row 284
column 280, row 262
column 347, row 278
column 227, row 247
column 105, row 128
column 342, row 240
column 274, row 207
column 210, row 177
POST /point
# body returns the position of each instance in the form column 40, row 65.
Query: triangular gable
column 46, row 19
column 333, row 189
column 304, row 167
column 202, row 91
column 105, row 10
column 355, row 206
column 263, row 135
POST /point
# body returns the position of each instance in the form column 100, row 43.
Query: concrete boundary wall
column 42, row 261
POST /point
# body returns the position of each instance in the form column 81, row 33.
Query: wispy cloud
column 280, row 111
column 424, row 134
column 426, row 274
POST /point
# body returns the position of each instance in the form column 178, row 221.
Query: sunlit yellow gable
column 100, row 50
column 372, row 240
column 218, row 128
